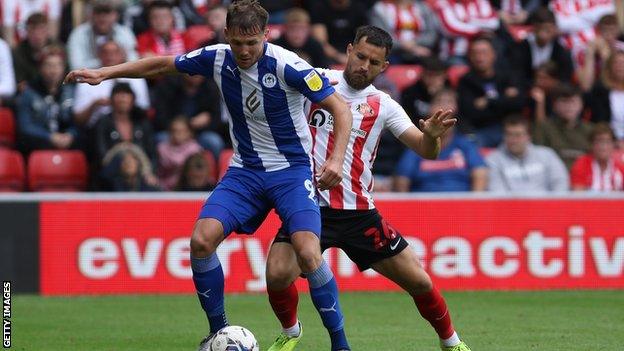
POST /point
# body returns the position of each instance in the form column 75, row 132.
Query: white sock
column 293, row 331
column 452, row 341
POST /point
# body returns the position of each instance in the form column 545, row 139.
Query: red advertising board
column 141, row 246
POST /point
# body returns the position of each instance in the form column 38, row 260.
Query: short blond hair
column 297, row 15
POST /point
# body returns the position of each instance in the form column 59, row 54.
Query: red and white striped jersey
column 461, row 20
column 576, row 19
column 404, row 21
column 373, row 111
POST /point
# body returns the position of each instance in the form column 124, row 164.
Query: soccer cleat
column 459, row 347
column 204, row 345
column 285, row 342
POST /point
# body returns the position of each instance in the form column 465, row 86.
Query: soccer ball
column 234, row 338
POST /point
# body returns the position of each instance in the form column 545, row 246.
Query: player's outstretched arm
column 143, row 68
column 426, row 143
column 331, row 172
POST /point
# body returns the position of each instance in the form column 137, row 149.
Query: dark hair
column 247, row 16
column 482, row 37
column 195, row 160
column 36, row 19
column 433, row 64
column 608, row 20
column 374, row 36
column 549, row 67
column 52, row 50
column 444, row 91
column 158, row 4
column 122, row 87
column 516, row 120
column 600, row 129
column 103, row 6
column 181, row 119
column 542, row 15
column 566, row 91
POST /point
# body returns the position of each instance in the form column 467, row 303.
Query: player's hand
column 330, row 174
column 436, row 125
column 90, row 76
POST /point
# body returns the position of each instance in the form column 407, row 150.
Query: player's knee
column 421, row 285
column 279, row 277
column 309, row 259
column 204, row 240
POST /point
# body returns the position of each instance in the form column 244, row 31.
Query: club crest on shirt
column 313, row 81
column 365, row 109
column 269, row 80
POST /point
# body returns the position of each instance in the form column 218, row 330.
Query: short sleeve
column 200, row 61
column 408, row 164
column 473, row 157
column 396, row 119
column 305, row 79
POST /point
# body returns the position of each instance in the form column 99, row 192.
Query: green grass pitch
column 501, row 321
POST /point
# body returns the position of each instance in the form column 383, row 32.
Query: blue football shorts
column 244, row 197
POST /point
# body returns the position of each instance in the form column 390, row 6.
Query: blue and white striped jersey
column 268, row 125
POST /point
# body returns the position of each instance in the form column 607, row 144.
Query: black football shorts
column 362, row 234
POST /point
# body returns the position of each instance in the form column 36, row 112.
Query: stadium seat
column 224, row 161
column 7, row 128
column 484, row 151
column 55, row 170
column 12, row 175
column 403, row 75
column 275, row 31
column 455, row 73
column 212, row 165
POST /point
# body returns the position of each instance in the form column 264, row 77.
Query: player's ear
column 266, row 34
column 385, row 65
column 226, row 33
column 349, row 49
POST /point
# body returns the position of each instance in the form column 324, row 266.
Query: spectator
column 542, row 46
column 92, row 101
column 86, row 39
column 412, row 26
column 278, row 9
column 599, row 50
column 195, row 175
column 44, row 108
column 416, row 99
column 161, row 38
column 16, row 12
column 566, row 133
column 125, row 124
column 7, row 75
column 297, row 38
column 576, row 20
column 334, row 23
column 173, row 153
column 545, row 81
column 136, row 16
column 519, row 166
column 127, row 168
column 514, row 12
column 487, row 94
column 197, row 99
column 462, row 20
column 459, row 166
column 599, row 170
column 607, row 96
column 215, row 20
column 27, row 54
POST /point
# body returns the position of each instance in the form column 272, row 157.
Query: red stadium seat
column 55, row 170
column 212, row 165
column 7, row 128
column 484, row 151
column 403, row 75
column 275, row 31
column 455, row 73
column 12, row 174
column 224, row 161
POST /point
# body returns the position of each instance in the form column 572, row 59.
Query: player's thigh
column 282, row 268
column 237, row 202
column 406, row 271
column 292, row 193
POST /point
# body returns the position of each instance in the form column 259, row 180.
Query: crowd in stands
column 538, row 87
